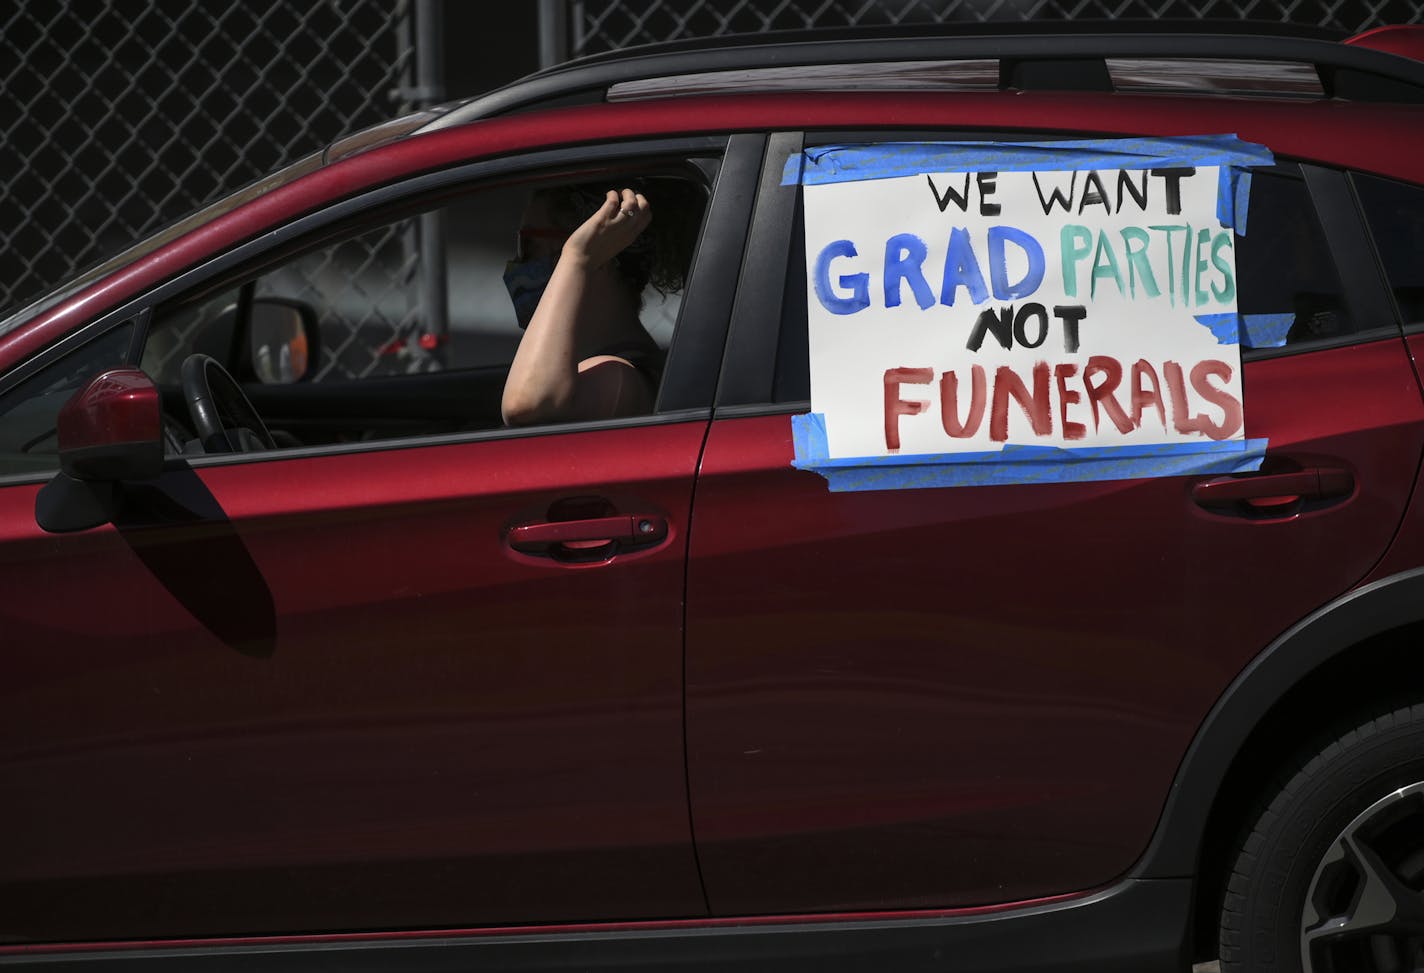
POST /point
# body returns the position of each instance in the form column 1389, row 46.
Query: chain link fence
column 118, row 117
column 602, row 25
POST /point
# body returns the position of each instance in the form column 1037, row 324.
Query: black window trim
column 749, row 363
column 137, row 311
column 1362, row 286
column 1353, row 176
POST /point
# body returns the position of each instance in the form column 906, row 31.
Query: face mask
column 525, row 280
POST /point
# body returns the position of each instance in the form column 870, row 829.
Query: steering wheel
column 212, row 396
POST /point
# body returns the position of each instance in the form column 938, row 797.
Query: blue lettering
column 998, row 268
column 905, row 255
column 858, row 284
column 961, row 269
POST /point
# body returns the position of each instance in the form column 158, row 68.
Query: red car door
column 953, row 697
column 346, row 694
column 380, row 683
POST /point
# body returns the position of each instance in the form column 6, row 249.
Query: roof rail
column 1213, row 76
column 1026, row 61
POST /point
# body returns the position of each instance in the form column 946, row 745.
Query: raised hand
column 610, row 230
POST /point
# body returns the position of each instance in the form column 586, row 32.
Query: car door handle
column 541, row 538
column 1272, row 490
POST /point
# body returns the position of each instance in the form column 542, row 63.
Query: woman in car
column 577, row 284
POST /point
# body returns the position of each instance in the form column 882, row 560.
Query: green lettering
column 1105, row 268
column 1171, row 260
column 1138, row 264
column 1227, row 292
column 1203, row 238
column 1074, row 242
column 1186, row 266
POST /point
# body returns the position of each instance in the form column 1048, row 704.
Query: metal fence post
column 430, row 70
column 553, row 32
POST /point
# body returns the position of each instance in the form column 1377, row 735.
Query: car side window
column 1395, row 212
column 410, row 323
column 1284, row 268
column 1283, row 263
column 28, row 442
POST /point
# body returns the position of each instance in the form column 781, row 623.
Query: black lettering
column 960, row 199
column 998, row 322
column 1056, row 196
column 1124, row 181
column 1071, row 315
column 1021, row 328
column 1093, row 192
column 986, row 188
column 1173, row 180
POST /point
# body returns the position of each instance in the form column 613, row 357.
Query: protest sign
column 1008, row 313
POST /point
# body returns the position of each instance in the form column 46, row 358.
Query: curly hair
column 662, row 254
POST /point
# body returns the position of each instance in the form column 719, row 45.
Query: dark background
column 116, row 119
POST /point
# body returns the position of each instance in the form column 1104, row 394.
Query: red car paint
column 121, row 405
column 390, row 636
column 817, row 751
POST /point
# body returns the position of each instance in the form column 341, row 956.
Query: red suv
column 313, row 663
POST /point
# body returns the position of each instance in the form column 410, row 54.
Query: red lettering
column 1102, row 394
column 1182, row 419
column 949, row 403
column 1146, row 387
column 1036, row 407
column 1141, row 397
column 1229, row 405
column 895, row 407
column 1061, row 373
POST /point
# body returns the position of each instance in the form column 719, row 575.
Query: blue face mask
column 526, row 280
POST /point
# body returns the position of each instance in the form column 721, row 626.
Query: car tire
column 1329, row 878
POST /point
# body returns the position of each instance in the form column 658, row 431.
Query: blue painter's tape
column 1250, row 330
column 1017, row 464
column 889, row 160
column 1226, row 328
column 808, row 437
column 1242, row 180
column 795, row 166
column 1225, row 197
column 1233, row 197
column 1266, row 330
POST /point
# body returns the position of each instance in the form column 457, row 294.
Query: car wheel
column 1331, row 876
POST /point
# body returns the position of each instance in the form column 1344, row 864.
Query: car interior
column 342, row 338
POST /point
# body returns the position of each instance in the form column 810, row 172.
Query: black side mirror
column 110, row 430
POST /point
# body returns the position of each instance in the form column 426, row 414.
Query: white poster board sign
column 959, row 311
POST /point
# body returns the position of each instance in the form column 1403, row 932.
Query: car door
column 911, row 698
column 361, row 685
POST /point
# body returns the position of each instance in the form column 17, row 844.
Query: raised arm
column 585, row 306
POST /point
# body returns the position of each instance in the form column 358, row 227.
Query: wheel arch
column 1328, row 664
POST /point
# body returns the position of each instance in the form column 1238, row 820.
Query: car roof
column 1029, row 56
